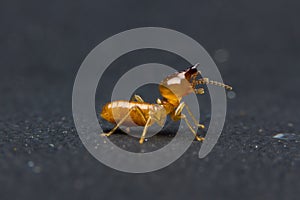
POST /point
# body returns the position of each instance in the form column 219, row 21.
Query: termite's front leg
column 178, row 115
column 193, row 117
column 179, row 111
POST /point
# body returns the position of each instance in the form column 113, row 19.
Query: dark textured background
column 42, row 44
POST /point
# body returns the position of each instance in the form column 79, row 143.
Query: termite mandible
column 172, row 89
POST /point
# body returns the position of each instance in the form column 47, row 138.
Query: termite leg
column 178, row 114
column 199, row 91
column 137, row 98
column 141, row 113
column 190, row 127
column 117, row 126
column 145, row 131
column 193, row 117
column 179, row 111
column 123, row 119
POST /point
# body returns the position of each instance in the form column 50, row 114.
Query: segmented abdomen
column 115, row 111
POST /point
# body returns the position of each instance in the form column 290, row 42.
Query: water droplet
column 286, row 136
column 51, row 145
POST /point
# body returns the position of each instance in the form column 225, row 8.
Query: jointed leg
column 199, row 91
column 190, row 127
column 123, row 119
column 145, row 131
column 138, row 98
column 178, row 114
column 179, row 111
column 141, row 114
column 117, row 126
column 193, row 117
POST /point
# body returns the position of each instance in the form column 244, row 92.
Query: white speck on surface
column 30, row 163
column 51, row 145
column 286, row 136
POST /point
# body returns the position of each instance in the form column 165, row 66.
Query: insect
column 136, row 112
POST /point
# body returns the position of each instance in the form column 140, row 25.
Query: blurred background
column 256, row 46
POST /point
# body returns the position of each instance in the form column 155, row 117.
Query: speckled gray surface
column 42, row 47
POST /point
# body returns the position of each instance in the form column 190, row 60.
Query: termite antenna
column 207, row 81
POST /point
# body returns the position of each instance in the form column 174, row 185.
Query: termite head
column 191, row 72
column 179, row 84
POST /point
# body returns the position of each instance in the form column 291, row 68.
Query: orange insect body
column 172, row 89
column 114, row 112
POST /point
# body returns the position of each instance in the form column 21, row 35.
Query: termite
column 172, row 89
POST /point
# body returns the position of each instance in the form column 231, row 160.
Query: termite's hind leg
column 124, row 118
column 117, row 126
column 137, row 98
column 145, row 131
